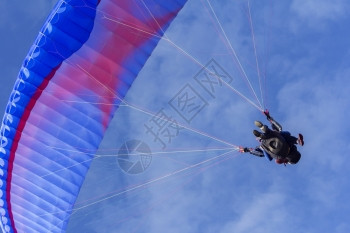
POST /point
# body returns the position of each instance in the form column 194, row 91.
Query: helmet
column 295, row 157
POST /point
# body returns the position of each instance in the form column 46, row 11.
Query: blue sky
column 196, row 183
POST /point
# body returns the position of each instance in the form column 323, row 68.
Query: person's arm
column 274, row 124
column 257, row 151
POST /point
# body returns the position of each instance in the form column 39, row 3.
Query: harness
column 275, row 145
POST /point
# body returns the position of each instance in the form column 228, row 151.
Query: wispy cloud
column 317, row 13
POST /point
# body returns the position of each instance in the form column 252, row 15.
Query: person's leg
column 260, row 125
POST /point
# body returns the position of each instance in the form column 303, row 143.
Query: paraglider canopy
column 85, row 54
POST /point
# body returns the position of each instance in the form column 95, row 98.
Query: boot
column 257, row 133
column 261, row 126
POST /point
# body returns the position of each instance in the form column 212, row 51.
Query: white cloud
column 316, row 13
column 265, row 213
